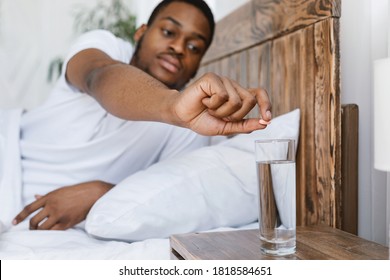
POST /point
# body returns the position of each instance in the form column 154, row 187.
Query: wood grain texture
column 262, row 20
column 305, row 75
column 313, row 243
column 327, row 113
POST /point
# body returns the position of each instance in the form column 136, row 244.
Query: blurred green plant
column 114, row 17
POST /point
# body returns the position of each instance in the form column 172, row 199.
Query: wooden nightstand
column 313, row 243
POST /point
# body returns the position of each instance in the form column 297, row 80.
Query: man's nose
column 178, row 45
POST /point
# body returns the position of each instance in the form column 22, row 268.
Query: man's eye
column 193, row 48
column 167, row 32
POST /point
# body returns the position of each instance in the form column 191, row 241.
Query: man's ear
column 139, row 32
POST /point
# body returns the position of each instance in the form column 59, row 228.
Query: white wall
column 32, row 33
column 364, row 29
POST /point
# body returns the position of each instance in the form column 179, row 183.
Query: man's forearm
column 131, row 94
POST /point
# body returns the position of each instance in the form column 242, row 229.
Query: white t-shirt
column 71, row 139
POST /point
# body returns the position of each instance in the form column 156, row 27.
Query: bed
column 291, row 48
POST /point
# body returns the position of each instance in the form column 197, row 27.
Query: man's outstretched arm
column 212, row 105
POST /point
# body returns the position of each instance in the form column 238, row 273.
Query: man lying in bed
column 113, row 113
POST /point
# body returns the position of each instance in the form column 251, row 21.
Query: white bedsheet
column 19, row 243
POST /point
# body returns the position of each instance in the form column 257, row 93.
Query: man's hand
column 63, row 208
column 217, row 105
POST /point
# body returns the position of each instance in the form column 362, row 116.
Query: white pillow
column 211, row 187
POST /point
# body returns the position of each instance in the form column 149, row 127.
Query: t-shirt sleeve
column 103, row 40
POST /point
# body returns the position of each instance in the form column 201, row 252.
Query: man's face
column 171, row 48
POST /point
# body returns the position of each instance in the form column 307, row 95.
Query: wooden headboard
column 291, row 48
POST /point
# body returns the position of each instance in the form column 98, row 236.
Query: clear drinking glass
column 275, row 162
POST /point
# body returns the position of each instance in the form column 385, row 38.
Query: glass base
column 278, row 249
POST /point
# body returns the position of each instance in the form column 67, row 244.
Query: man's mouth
column 169, row 63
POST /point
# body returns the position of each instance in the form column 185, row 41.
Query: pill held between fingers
column 263, row 122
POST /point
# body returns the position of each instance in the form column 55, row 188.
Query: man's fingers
column 28, row 210
column 215, row 92
column 244, row 126
column 264, row 103
column 232, row 104
column 248, row 102
column 228, row 99
column 37, row 219
column 48, row 224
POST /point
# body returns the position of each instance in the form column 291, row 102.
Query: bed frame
column 291, row 48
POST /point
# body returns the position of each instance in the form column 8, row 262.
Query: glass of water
column 275, row 163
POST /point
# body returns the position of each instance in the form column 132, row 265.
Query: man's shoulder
column 105, row 41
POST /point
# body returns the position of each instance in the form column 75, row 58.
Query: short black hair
column 200, row 4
